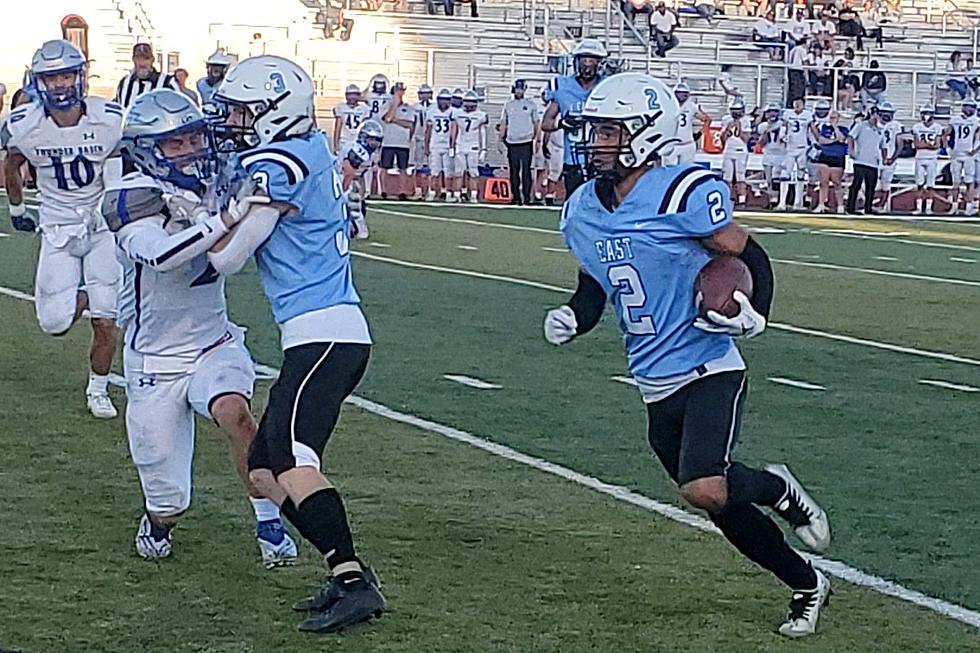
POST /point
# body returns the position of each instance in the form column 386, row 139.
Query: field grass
column 481, row 554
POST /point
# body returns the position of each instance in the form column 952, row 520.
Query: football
column 717, row 282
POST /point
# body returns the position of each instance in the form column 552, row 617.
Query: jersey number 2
column 631, row 297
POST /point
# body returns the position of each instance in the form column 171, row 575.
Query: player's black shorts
column 694, row 430
column 394, row 157
column 304, row 403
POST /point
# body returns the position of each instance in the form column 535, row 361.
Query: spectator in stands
column 970, row 75
column 755, row 7
column 825, row 30
column 796, row 75
column 873, row 84
column 727, row 84
column 955, row 70
column 849, row 24
column 631, row 8
column 819, row 65
column 180, row 76
column 766, row 34
column 662, row 26
column 866, row 145
column 447, row 6
column 831, row 138
column 706, row 9
column 872, row 18
column 848, row 82
column 797, row 28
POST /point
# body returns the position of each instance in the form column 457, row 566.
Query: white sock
column 98, row 384
column 928, row 206
column 741, row 199
column 265, row 509
column 474, row 194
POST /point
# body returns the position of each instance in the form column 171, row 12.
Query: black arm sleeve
column 587, row 302
column 763, row 283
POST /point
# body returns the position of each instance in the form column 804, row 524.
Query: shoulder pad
column 285, row 160
column 127, row 205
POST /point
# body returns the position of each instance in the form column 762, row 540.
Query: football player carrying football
column 642, row 232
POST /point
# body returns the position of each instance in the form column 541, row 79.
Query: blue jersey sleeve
column 280, row 172
column 701, row 206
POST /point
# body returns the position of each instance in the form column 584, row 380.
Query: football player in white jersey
column 891, row 130
column 181, row 355
column 348, row 117
column 355, row 163
column 440, row 132
column 928, row 136
column 548, row 158
column 772, row 132
column 470, row 146
column 962, row 134
column 419, row 160
column 736, row 128
column 690, row 110
column 377, row 95
column 796, row 124
column 67, row 136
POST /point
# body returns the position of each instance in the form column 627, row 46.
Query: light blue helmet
column 371, row 135
column 163, row 114
column 53, row 58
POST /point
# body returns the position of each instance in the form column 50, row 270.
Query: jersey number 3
column 631, row 297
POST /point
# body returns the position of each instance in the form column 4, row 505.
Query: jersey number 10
column 80, row 169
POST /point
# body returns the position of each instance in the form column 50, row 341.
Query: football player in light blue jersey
column 641, row 232
column 566, row 96
column 302, row 251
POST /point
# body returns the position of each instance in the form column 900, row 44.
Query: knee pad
column 55, row 320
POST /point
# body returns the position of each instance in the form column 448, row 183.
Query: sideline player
column 891, row 130
column 355, row 166
column 302, row 252
column 796, row 124
column 690, row 111
column 644, row 255
column 440, row 132
column 182, row 355
column 470, row 146
column 771, row 131
column 348, row 116
column 928, row 136
column 548, row 159
column 419, row 160
column 67, row 137
column 962, row 134
column 736, row 128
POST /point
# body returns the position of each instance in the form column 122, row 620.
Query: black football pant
column 519, row 162
column 866, row 176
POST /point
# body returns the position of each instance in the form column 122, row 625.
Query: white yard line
column 468, row 248
column 882, row 238
column 379, row 245
column 466, row 221
column 885, row 258
column 834, row 567
column 802, row 385
column 957, row 259
column 559, row 250
column 880, row 273
column 628, row 380
column 471, row 382
column 949, row 386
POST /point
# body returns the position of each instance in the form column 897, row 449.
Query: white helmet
column 470, row 100
column 588, row 48
column 52, row 58
column 379, row 84
column 275, row 93
column 218, row 58
column 645, row 110
column 352, row 89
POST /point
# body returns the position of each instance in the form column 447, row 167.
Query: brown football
column 717, row 282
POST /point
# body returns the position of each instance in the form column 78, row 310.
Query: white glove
column 452, row 153
column 483, row 156
column 560, row 325
column 239, row 207
column 747, row 324
column 183, row 209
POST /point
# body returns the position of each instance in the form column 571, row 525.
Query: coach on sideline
column 519, row 125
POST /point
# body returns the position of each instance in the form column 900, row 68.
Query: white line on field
column 467, row 248
column 766, row 230
column 497, row 207
column 812, row 257
column 379, row 245
column 4, row 235
column 628, row 380
column 885, row 258
column 16, row 294
column 886, row 235
column 879, row 273
column 834, row 567
column 781, row 326
column 560, row 250
column 802, row 385
column 958, row 259
column 476, row 223
column 949, row 386
column 471, row 382
column 882, row 238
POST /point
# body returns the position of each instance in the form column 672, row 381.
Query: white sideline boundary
column 835, row 568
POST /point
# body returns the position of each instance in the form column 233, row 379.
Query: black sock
column 322, row 520
column 758, row 538
column 747, row 485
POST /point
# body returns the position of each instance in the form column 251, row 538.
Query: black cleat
column 353, row 601
column 327, row 595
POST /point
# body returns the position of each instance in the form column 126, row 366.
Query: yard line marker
column 16, row 294
column 560, row 250
column 628, row 380
column 885, row 258
column 781, row 326
column 833, row 567
column 476, row 223
column 467, row 248
column 812, row 257
column 957, row 259
column 479, row 384
column 379, row 245
column 883, row 235
column 496, row 207
column 802, row 385
column 766, row 230
column 949, row 386
column 4, row 235
column 885, row 238
column 880, row 273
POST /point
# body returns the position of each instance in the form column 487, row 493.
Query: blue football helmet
column 56, row 58
column 371, row 135
column 163, row 114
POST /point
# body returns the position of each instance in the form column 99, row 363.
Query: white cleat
column 100, row 405
column 430, row 196
column 360, row 229
column 451, row 199
column 798, row 508
column 152, row 542
column 277, row 547
column 781, row 207
column 474, row 199
column 804, row 609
